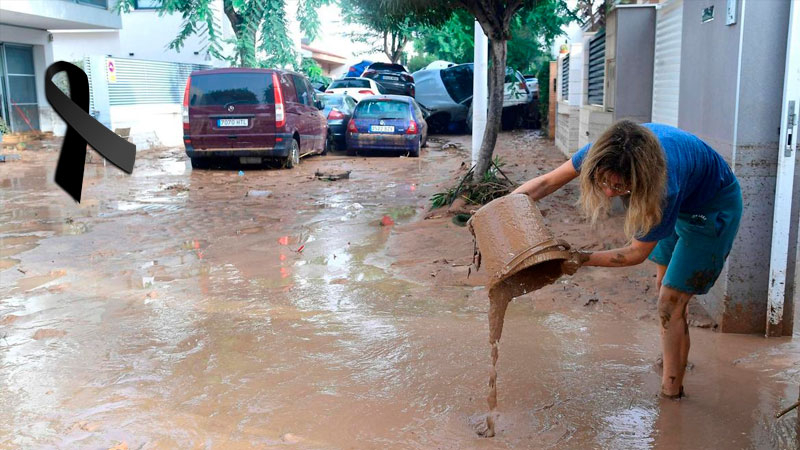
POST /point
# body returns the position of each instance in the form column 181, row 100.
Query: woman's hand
column 577, row 258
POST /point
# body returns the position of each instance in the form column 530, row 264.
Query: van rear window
column 231, row 88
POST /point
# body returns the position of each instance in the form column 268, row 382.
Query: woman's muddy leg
column 672, row 307
column 660, row 271
column 686, row 342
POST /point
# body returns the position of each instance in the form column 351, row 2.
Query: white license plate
column 232, row 122
column 249, row 160
column 381, row 129
column 391, row 78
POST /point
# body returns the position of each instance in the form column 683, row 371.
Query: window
column 382, row 109
column 303, row 95
column 287, row 89
column 100, row 3
column 458, row 82
column 343, row 84
column 231, row 88
column 146, row 4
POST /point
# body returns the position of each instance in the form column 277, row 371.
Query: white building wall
column 144, row 35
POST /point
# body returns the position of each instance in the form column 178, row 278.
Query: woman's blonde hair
column 632, row 152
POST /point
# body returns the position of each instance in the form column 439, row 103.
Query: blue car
column 338, row 109
column 387, row 123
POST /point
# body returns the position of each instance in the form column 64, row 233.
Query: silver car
column 445, row 95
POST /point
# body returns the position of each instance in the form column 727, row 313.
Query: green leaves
column 261, row 35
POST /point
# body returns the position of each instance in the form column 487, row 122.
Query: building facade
column 26, row 50
column 715, row 68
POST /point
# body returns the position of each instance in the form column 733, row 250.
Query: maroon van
column 253, row 115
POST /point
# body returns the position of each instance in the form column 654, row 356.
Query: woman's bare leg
column 672, row 309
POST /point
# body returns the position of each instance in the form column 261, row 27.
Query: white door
column 782, row 217
column 667, row 63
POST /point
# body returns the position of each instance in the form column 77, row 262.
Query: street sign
column 112, row 70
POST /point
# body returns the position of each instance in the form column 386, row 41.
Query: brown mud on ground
column 192, row 319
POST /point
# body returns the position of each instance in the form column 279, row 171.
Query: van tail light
column 522, row 86
column 408, row 78
column 351, row 126
column 329, row 92
column 366, row 91
column 185, row 111
column 335, row 114
column 280, row 113
column 412, row 128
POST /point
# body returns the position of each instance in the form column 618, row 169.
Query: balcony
column 60, row 14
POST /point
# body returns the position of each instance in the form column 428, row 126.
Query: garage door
column 667, row 66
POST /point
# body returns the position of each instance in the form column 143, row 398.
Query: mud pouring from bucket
column 521, row 255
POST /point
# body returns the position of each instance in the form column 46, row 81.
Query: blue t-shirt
column 695, row 174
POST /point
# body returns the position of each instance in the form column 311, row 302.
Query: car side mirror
column 319, row 104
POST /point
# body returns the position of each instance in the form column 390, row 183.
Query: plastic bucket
column 515, row 246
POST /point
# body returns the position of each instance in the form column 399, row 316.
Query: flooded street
column 175, row 308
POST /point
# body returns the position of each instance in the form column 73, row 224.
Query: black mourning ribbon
column 81, row 129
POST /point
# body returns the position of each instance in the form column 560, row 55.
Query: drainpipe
column 782, row 219
column 480, row 90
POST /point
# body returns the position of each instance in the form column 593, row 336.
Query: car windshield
column 382, row 109
column 458, row 82
column 343, row 84
column 231, row 88
column 332, row 100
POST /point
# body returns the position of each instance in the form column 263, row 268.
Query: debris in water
column 591, row 300
column 387, row 221
column 461, row 219
column 147, row 282
column 787, row 410
column 177, row 188
column 300, row 250
column 333, row 176
column 45, row 333
column 241, row 173
column 4, row 158
column 256, row 193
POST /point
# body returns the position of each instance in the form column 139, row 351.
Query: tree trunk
column 497, row 76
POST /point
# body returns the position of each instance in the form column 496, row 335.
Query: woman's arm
column 548, row 183
column 630, row 255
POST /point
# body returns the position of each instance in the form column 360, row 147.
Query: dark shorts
column 696, row 251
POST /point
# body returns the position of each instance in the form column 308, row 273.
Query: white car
column 515, row 90
column 356, row 87
column 533, row 85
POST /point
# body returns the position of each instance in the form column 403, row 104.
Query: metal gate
column 140, row 82
column 565, row 78
column 597, row 64
column 667, row 63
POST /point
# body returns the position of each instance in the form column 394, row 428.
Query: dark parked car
column 251, row 114
column 392, row 78
column 387, row 122
column 338, row 109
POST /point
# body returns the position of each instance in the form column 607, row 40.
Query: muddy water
column 171, row 321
